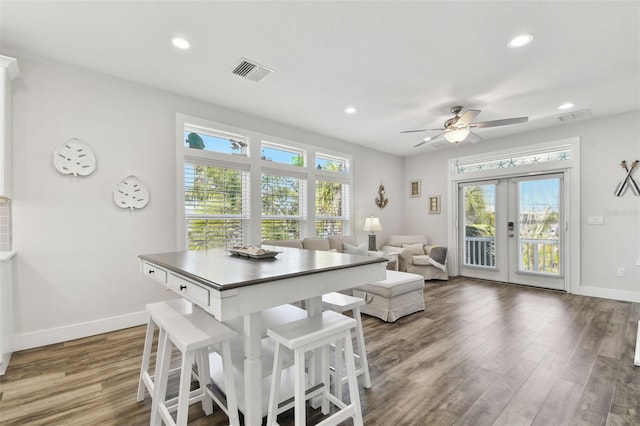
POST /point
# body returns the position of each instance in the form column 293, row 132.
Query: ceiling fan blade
column 428, row 141
column 421, row 130
column 496, row 123
column 473, row 138
column 467, row 118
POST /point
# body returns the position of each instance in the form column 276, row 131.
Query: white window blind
column 216, row 206
column 331, row 208
column 283, row 206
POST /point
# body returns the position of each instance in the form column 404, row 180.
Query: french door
column 511, row 230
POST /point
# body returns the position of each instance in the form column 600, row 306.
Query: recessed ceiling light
column 521, row 40
column 427, row 139
column 567, row 105
column 350, row 110
column 180, row 43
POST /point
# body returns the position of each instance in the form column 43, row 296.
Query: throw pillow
column 415, row 249
column 421, row 260
column 360, row 250
column 438, row 257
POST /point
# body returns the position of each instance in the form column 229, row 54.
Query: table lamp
column 372, row 224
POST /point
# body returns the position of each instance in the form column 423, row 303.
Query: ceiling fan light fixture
column 520, row 40
column 458, row 135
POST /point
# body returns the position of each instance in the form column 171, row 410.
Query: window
column 229, row 196
column 283, row 202
column 282, row 154
column 216, row 208
column 331, row 163
column 198, row 138
column 331, row 208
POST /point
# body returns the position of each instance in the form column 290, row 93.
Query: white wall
column 76, row 269
column 604, row 143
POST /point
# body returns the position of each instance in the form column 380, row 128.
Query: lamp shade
column 455, row 136
column 372, row 224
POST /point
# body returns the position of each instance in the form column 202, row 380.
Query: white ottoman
column 399, row 295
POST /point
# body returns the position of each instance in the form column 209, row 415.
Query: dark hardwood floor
column 481, row 354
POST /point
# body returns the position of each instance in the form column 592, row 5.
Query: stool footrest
column 309, row 393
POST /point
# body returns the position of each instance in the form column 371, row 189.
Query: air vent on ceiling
column 575, row 115
column 251, row 70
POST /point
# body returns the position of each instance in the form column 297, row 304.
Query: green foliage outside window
column 213, row 191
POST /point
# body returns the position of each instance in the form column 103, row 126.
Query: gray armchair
column 415, row 256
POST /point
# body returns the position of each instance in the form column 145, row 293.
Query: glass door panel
column 478, row 235
column 537, row 244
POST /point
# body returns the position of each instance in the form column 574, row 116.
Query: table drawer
column 190, row 290
column 152, row 271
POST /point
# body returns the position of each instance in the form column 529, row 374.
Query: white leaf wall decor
column 74, row 157
column 131, row 193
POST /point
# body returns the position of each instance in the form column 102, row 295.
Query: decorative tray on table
column 252, row 252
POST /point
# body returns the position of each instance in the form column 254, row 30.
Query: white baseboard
column 608, row 293
column 76, row 331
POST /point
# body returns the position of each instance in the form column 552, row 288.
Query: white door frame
column 571, row 169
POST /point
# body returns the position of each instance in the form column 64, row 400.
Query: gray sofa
column 415, row 256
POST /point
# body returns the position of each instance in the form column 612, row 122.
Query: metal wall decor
column 434, row 204
column 415, row 190
column 381, row 201
column 628, row 180
column 74, row 157
column 131, row 193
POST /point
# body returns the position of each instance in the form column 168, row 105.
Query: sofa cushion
column 416, row 249
column 359, row 250
column 422, row 260
column 398, row 240
column 316, row 244
column 337, row 242
column 396, row 283
column 283, row 243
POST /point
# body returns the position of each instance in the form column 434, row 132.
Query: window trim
column 256, row 167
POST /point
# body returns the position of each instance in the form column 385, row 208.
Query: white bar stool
column 340, row 303
column 315, row 332
column 194, row 335
column 157, row 312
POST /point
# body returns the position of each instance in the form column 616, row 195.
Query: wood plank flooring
column 482, row 353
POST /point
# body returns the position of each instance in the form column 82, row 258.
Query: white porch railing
column 480, row 251
column 540, row 255
column 536, row 255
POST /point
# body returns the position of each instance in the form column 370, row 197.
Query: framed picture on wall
column 415, row 188
column 434, row 204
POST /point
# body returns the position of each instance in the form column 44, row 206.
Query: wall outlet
column 622, row 272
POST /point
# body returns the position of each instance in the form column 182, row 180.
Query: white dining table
column 228, row 286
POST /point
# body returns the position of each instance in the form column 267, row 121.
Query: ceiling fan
column 457, row 128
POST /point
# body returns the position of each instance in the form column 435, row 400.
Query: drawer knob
column 151, row 271
column 183, row 287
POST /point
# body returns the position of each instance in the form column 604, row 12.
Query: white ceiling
column 402, row 64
